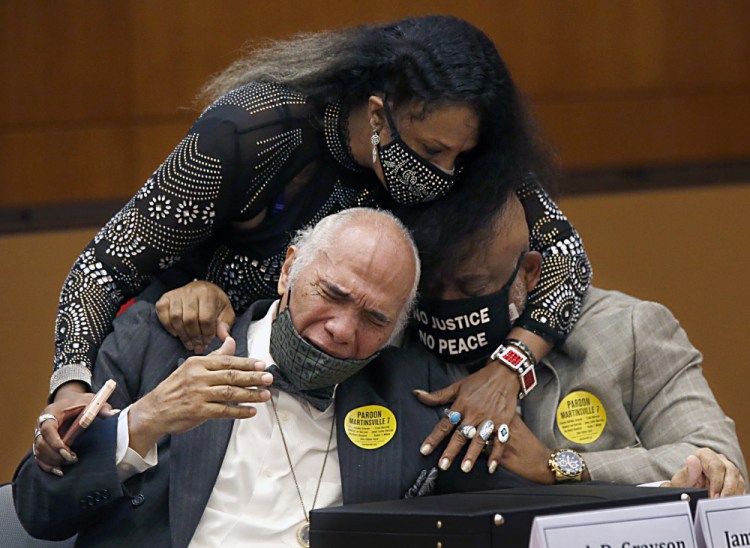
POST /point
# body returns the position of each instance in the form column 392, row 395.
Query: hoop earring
column 375, row 141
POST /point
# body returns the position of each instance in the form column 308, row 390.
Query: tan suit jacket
column 637, row 360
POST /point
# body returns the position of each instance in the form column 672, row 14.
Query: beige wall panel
column 686, row 249
column 32, row 270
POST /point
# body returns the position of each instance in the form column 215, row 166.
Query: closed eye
column 333, row 291
column 378, row 318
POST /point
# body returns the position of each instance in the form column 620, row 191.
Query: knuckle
column 458, row 440
column 226, row 411
column 232, row 376
column 227, row 393
column 444, row 426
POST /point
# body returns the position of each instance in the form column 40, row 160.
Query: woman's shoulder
column 261, row 102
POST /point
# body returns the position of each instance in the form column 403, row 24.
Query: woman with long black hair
column 389, row 115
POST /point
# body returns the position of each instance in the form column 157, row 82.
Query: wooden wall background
column 93, row 95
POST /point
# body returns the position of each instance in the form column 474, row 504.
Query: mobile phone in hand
column 89, row 413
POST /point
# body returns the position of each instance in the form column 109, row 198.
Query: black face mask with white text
column 466, row 331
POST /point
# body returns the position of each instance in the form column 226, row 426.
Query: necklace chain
column 291, row 467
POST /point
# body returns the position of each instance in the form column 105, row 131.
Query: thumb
column 438, row 397
column 227, row 348
column 227, row 316
column 222, row 330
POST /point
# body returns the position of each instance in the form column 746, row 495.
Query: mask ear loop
column 288, row 301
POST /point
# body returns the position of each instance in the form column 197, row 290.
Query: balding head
column 353, row 278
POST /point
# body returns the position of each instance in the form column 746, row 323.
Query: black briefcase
column 480, row 519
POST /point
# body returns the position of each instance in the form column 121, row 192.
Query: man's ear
column 531, row 269
column 283, row 285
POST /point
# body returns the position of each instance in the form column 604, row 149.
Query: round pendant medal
column 303, row 534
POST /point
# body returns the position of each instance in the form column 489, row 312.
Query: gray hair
column 313, row 240
column 297, row 62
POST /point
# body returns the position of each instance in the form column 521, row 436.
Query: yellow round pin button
column 370, row 426
column 581, row 417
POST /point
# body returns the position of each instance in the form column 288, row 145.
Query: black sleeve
column 554, row 305
column 219, row 172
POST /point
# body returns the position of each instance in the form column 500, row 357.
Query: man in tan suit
column 624, row 393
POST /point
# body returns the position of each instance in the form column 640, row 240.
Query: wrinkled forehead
column 374, row 263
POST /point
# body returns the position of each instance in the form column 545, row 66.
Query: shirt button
column 284, row 416
column 137, row 500
column 269, row 474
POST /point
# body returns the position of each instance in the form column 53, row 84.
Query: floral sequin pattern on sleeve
column 555, row 303
column 172, row 212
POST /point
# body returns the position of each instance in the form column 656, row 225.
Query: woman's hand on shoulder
column 196, row 313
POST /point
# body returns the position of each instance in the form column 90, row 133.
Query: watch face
column 569, row 463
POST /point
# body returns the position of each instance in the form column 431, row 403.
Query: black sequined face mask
column 409, row 178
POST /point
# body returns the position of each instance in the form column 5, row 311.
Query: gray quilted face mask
column 304, row 366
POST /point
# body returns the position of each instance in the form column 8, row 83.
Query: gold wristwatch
column 567, row 465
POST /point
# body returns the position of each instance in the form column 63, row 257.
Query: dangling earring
column 375, row 141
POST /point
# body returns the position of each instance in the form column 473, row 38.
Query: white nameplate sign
column 664, row 525
column 723, row 522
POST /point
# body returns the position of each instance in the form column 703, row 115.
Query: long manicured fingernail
column 493, row 467
column 426, row 449
column 466, row 465
column 68, row 456
column 445, row 464
column 57, row 472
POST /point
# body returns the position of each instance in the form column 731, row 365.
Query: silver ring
column 453, row 416
column 44, row 417
column 467, row 431
column 503, row 433
column 486, row 429
column 37, row 433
